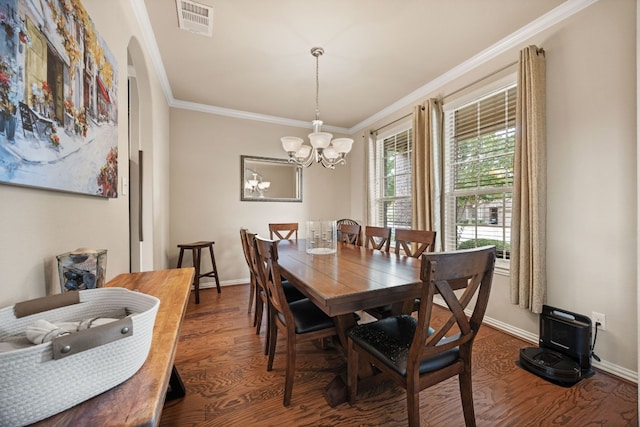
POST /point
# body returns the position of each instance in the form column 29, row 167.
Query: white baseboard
column 603, row 365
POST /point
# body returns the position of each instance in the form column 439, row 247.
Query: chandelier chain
column 317, row 55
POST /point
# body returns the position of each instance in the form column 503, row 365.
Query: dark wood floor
column 221, row 362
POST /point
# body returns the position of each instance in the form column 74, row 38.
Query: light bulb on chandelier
column 322, row 150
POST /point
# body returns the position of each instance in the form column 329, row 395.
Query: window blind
column 479, row 150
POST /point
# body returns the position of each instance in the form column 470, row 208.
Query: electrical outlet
column 599, row 318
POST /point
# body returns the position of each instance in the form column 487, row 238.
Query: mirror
column 265, row 179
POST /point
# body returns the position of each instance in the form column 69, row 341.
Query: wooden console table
column 139, row 400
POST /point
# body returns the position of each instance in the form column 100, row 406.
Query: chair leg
column 215, row 269
column 413, row 407
column 290, row 369
column 273, row 338
column 257, row 321
column 267, row 340
column 466, row 395
column 352, row 372
column 196, row 280
column 252, row 290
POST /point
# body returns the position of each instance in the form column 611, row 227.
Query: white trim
column 560, row 13
column 611, row 368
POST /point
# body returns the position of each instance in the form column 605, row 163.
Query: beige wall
column 205, row 186
column 592, row 194
column 36, row 225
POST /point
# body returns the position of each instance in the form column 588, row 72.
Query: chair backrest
column 279, row 230
column 470, row 272
column 268, row 276
column 408, row 239
column 249, row 249
column 245, row 247
column 349, row 233
column 378, row 237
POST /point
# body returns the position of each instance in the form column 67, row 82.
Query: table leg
column 176, row 386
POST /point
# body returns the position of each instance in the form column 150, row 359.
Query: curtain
column 370, row 168
column 528, row 223
column 427, row 167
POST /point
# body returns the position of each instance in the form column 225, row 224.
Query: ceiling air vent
column 195, row 17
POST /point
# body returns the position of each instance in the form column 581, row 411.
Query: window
column 479, row 153
column 392, row 180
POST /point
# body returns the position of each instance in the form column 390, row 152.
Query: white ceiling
column 378, row 53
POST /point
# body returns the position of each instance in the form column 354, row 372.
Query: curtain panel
column 428, row 168
column 528, row 224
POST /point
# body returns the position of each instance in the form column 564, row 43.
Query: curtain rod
column 479, row 80
column 452, row 93
column 391, row 123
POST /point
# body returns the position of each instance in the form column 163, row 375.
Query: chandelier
column 322, row 150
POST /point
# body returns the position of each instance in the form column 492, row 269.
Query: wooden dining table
column 353, row 278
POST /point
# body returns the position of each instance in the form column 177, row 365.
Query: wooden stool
column 196, row 250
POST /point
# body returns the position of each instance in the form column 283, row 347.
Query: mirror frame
column 272, row 162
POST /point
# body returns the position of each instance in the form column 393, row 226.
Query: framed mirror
column 265, row 179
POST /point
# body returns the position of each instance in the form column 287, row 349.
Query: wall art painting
column 58, row 93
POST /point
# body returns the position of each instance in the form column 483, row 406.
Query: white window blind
column 479, row 153
column 392, row 180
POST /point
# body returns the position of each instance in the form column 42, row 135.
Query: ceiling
column 378, row 53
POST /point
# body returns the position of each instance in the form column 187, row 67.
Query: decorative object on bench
column 82, row 269
column 44, row 379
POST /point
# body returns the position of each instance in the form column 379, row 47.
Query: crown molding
column 246, row 115
column 515, row 39
column 551, row 18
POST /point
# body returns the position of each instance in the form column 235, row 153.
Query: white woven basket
column 35, row 386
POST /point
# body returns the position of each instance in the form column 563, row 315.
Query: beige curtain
column 427, row 167
column 528, row 224
column 370, row 168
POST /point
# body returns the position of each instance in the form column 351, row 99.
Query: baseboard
column 603, row 365
column 212, row 284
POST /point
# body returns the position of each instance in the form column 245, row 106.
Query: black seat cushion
column 389, row 340
column 308, row 317
column 291, row 293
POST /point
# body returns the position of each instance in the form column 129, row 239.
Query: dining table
column 351, row 279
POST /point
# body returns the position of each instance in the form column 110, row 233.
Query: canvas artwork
column 58, row 92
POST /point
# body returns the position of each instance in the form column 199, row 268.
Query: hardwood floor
column 221, row 361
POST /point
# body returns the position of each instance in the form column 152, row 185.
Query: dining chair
column 377, row 237
column 417, row 354
column 279, row 230
column 407, row 240
column 246, row 247
column 260, row 296
column 350, row 233
column 300, row 320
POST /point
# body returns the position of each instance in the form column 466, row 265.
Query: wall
column 591, row 167
column 36, row 225
column 205, row 186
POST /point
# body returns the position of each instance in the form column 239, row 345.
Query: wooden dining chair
column 300, row 320
column 420, row 240
column 417, row 354
column 283, row 231
column 377, row 237
column 350, row 233
column 261, row 295
column 246, row 247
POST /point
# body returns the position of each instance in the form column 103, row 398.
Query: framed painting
column 58, row 99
